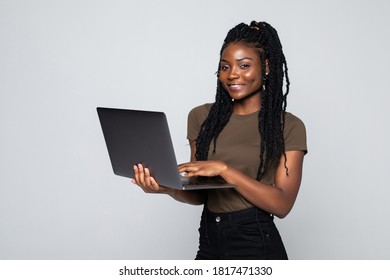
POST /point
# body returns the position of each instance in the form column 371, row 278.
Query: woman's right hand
column 143, row 179
column 148, row 184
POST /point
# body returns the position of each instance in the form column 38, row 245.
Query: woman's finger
column 141, row 175
column 136, row 175
column 147, row 177
column 188, row 167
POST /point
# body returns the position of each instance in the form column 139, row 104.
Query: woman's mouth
column 235, row 86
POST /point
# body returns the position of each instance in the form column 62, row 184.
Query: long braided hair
column 263, row 37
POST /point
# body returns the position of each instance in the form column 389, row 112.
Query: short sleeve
column 195, row 119
column 294, row 134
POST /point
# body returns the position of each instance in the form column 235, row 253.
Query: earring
column 232, row 99
column 266, row 76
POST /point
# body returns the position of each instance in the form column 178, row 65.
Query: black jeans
column 241, row 235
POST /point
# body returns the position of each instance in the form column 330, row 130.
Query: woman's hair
column 264, row 37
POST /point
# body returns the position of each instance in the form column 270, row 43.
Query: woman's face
column 240, row 72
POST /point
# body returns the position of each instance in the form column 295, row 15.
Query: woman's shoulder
column 201, row 111
column 292, row 120
column 294, row 133
column 195, row 119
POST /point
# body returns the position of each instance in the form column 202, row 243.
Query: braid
column 273, row 101
column 218, row 117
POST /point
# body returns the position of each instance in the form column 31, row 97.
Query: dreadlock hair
column 264, row 38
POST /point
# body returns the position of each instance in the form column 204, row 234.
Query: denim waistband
column 250, row 213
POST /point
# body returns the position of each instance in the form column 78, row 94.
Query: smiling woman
column 247, row 138
column 240, row 75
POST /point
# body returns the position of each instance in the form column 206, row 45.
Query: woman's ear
column 266, row 66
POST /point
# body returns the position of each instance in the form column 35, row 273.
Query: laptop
column 134, row 136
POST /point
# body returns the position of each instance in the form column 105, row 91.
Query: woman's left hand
column 207, row 168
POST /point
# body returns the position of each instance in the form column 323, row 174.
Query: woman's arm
column 148, row 184
column 278, row 199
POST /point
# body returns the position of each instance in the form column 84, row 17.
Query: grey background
column 59, row 60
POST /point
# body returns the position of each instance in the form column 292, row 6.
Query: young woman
column 247, row 138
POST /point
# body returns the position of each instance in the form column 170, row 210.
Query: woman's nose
column 233, row 74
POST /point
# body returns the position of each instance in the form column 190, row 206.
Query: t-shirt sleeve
column 195, row 119
column 294, row 134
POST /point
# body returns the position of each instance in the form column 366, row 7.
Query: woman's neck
column 246, row 107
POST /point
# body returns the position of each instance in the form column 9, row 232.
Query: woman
column 247, row 138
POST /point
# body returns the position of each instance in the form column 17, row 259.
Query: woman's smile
column 235, row 87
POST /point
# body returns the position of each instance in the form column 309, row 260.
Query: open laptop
column 134, row 136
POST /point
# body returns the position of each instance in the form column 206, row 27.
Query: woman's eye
column 244, row 66
column 224, row 67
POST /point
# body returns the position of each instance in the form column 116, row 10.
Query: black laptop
column 134, row 136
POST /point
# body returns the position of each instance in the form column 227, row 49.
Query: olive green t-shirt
column 239, row 146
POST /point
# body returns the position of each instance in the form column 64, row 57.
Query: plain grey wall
column 59, row 60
